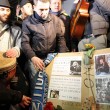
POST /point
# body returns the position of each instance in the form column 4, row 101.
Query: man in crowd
column 10, row 97
column 24, row 9
column 43, row 33
column 10, row 43
column 56, row 9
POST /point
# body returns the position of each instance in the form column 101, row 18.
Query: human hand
column 25, row 101
column 11, row 53
column 38, row 63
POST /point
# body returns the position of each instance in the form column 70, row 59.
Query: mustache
column 6, row 17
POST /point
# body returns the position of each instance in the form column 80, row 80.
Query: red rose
column 49, row 106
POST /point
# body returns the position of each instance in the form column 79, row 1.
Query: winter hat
column 23, row 2
column 5, row 3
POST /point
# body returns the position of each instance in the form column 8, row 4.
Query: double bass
column 79, row 19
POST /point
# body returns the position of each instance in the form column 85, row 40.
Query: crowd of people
column 41, row 27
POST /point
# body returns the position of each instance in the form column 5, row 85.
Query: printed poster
column 65, row 81
column 102, row 78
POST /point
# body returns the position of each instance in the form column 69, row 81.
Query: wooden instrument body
column 79, row 19
column 7, row 65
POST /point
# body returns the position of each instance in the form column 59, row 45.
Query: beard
column 4, row 18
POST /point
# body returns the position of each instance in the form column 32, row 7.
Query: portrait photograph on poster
column 102, row 64
column 103, row 90
column 75, row 68
column 54, row 94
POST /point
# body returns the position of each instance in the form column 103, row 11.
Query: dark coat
column 66, row 20
column 40, row 38
column 9, row 97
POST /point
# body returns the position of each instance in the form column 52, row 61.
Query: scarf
column 39, row 18
column 40, row 92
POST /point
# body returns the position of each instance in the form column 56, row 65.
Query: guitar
column 79, row 19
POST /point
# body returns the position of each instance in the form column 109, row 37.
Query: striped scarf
column 39, row 96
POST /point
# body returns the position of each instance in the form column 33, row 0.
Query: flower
column 89, row 46
column 49, row 106
column 90, row 49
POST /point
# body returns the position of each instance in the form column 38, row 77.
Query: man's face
column 55, row 5
column 4, row 14
column 42, row 9
column 27, row 9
